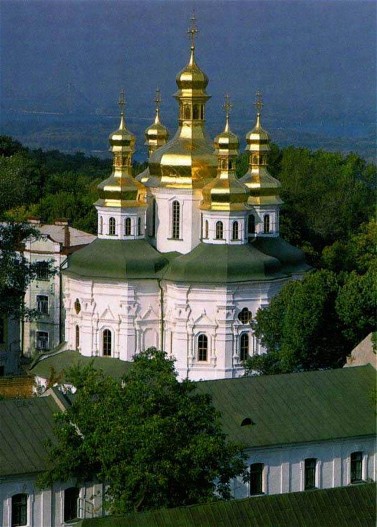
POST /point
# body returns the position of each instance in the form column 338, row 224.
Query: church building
column 186, row 253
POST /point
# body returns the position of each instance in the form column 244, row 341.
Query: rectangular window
column 19, row 510
column 71, row 497
column 356, row 467
column 42, row 304
column 42, row 270
column 256, row 478
column 42, row 340
column 310, row 469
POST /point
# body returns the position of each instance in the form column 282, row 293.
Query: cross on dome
column 193, row 30
column 258, row 101
column 122, row 102
column 157, row 99
column 227, row 106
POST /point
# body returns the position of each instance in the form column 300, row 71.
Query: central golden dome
column 188, row 160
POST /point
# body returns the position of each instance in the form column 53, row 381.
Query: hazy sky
column 316, row 59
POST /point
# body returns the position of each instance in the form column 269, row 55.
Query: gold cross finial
column 193, row 30
column 227, row 106
column 258, row 102
column 122, row 102
column 157, row 99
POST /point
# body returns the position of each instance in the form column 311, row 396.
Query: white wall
column 284, row 465
column 45, row 508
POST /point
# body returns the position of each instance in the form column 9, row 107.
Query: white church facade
column 186, row 253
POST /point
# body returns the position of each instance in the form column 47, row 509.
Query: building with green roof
column 186, row 252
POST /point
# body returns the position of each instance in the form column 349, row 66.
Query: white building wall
column 284, row 465
column 45, row 508
column 189, row 222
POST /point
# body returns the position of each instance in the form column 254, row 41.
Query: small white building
column 44, row 294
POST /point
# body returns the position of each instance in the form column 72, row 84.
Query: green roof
column 262, row 259
column 60, row 362
column 211, row 263
column 116, row 260
column 25, row 426
column 352, row 506
column 296, row 407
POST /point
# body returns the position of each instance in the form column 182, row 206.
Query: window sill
column 175, row 239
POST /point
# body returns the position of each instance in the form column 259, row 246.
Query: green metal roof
column 292, row 259
column 352, row 506
column 262, row 259
column 60, row 362
column 25, row 426
column 116, row 260
column 211, row 263
column 296, row 407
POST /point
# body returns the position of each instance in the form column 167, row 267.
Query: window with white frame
column 19, row 510
column 42, row 340
column 77, row 337
column 202, row 347
column 266, row 223
column 42, row 304
column 219, row 230
column 42, row 270
column 310, row 473
column 71, row 496
column 256, row 478
column 356, row 467
column 176, row 212
column 112, row 227
column 106, row 343
column 244, row 346
column 127, row 227
column 235, row 230
column 251, row 224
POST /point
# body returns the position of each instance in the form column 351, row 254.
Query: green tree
column 154, row 441
column 301, row 328
column 16, row 272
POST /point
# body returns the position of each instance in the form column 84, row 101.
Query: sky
column 313, row 60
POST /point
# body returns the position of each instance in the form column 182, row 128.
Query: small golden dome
column 156, row 134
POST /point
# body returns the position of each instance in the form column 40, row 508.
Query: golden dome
column 121, row 189
column 225, row 193
column 156, row 134
column 264, row 189
column 188, row 160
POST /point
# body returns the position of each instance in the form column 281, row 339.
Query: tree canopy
column 153, row 440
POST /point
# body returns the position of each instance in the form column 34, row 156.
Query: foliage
column 155, row 441
column 301, row 327
column 16, row 272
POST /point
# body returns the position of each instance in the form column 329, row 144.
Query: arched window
column 196, row 111
column 235, row 230
column 206, row 229
column 356, row 467
column 71, row 497
column 19, row 510
column 100, row 225
column 175, row 220
column 202, row 347
column 219, row 230
column 244, row 346
column 256, row 478
column 187, row 112
column 266, row 223
column 251, row 224
column 139, row 226
column 106, row 343
column 112, row 226
column 127, row 227
column 77, row 337
column 310, row 469
column 77, row 306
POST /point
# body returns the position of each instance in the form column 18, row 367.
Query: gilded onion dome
column 121, row 189
column 157, row 134
column 188, row 159
column 225, row 193
column 264, row 189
